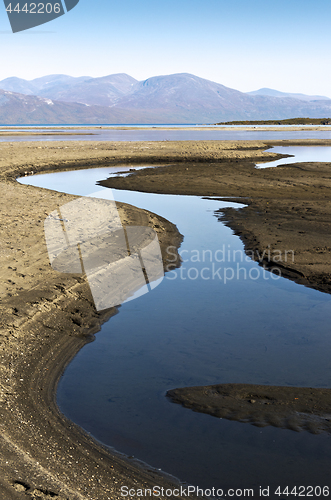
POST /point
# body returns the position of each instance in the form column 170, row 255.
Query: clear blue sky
column 243, row 44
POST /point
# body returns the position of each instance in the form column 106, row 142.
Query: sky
column 242, row 44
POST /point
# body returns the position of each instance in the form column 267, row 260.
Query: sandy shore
column 46, row 317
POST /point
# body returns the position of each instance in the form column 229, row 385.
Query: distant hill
column 291, row 121
column 103, row 91
column 277, row 93
column 37, row 86
column 119, row 98
column 23, row 109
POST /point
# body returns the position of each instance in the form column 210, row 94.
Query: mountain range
column 276, row 93
column 121, row 99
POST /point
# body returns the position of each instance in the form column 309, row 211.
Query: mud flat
column 46, row 317
column 287, row 220
column 295, row 408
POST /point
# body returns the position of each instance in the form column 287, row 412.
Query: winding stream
column 218, row 318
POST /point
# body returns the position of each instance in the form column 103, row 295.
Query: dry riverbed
column 46, row 317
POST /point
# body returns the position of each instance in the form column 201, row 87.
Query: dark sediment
column 295, row 408
column 287, row 217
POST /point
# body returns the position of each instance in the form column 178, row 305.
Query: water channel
column 204, row 324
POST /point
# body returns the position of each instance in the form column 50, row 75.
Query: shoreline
column 65, row 130
column 47, row 317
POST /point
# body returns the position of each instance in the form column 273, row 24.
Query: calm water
column 190, row 330
column 176, row 135
column 300, row 154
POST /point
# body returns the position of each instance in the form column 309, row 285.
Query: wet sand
column 294, row 408
column 46, row 317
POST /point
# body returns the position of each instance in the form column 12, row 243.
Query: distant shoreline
column 289, row 121
column 67, row 130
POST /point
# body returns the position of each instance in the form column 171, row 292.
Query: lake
column 171, row 134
